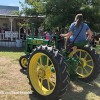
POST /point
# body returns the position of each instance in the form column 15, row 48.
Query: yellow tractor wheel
column 23, row 61
column 90, row 64
column 48, row 75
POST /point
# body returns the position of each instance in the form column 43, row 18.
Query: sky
column 11, row 3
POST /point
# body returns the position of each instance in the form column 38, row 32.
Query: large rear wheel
column 90, row 68
column 47, row 73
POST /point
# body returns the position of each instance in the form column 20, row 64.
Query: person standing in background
column 28, row 31
column 59, row 42
column 21, row 33
column 43, row 34
column 36, row 30
column 2, row 31
column 49, row 36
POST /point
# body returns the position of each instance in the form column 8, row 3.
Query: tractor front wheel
column 23, row 61
column 48, row 74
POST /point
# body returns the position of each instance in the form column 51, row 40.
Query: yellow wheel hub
column 87, row 63
column 42, row 78
column 41, row 73
column 83, row 61
column 44, row 72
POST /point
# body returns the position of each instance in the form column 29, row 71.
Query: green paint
column 31, row 43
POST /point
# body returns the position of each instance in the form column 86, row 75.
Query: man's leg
column 74, row 49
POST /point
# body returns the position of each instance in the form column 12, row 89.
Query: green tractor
column 50, row 71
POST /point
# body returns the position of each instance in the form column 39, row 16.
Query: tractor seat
column 83, row 43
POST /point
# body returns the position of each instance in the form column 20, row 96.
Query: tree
column 37, row 7
column 61, row 13
column 91, row 12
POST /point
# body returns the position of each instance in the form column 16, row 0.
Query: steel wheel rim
column 86, row 62
column 40, row 74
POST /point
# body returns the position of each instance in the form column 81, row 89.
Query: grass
column 13, row 80
column 98, row 48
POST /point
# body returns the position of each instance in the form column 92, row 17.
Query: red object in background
column 24, row 31
column 28, row 31
column 47, row 37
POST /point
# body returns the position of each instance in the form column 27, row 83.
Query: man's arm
column 66, row 35
column 90, row 34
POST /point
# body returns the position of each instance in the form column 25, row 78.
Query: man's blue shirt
column 82, row 36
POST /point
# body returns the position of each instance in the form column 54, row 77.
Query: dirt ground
column 14, row 84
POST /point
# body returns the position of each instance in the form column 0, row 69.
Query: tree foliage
column 61, row 13
column 91, row 12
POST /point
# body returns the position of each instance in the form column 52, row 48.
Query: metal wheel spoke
column 76, row 68
column 48, row 84
column 40, row 61
column 41, row 83
column 25, row 62
column 50, row 65
column 39, row 77
column 77, row 55
column 51, row 82
column 24, row 59
column 86, row 71
column 89, row 66
column 85, row 56
column 47, row 61
column 82, row 71
column 88, row 60
column 80, row 54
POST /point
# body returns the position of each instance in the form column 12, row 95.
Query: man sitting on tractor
column 75, row 29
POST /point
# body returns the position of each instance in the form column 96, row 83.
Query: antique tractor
column 50, row 71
